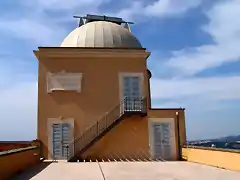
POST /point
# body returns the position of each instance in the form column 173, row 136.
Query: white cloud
column 44, row 29
column 63, row 4
column 215, row 88
column 212, row 104
column 29, row 29
column 37, row 26
column 225, row 31
column 170, row 7
column 159, row 8
column 132, row 12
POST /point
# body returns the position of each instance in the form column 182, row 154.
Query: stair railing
column 101, row 125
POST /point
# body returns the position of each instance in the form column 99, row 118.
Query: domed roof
column 101, row 34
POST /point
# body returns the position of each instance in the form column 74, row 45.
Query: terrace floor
column 127, row 171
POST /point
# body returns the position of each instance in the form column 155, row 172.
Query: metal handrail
column 128, row 104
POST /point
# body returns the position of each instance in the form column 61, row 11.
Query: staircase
column 126, row 108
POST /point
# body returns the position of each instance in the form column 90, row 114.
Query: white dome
column 101, row 34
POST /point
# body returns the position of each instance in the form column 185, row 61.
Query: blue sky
column 195, row 57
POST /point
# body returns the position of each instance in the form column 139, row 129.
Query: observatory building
column 94, row 99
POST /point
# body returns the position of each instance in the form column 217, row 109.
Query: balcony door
column 132, row 92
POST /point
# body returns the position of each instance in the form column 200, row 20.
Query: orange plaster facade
column 100, row 91
column 16, row 161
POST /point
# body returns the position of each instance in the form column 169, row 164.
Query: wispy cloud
column 214, row 88
column 159, row 8
column 165, row 8
column 39, row 23
column 65, row 5
column 224, row 30
column 210, row 101
column 31, row 30
column 212, row 104
column 43, row 29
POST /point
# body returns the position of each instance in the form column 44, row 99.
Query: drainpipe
column 149, row 106
column 179, row 140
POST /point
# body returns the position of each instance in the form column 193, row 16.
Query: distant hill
column 228, row 142
column 229, row 138
column 221, row 139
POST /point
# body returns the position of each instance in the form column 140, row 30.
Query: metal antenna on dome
column 81, row 21
column 90, row 18
column 126, row 26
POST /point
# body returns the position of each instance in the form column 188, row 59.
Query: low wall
column 8, row 145
column 17, row 160
column 222, row 158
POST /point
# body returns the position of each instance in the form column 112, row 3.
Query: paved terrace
column 127, row 171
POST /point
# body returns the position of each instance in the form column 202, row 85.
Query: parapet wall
column 9, row 145
column 17, row 160
column 222, row 158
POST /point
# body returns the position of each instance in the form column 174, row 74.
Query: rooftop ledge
column 217, row 157
column 213, row 149
column 5, row 153
column 91, row 52
column 92, row 48
column 170, row 109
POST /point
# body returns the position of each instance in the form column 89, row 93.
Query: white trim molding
column 136, row 54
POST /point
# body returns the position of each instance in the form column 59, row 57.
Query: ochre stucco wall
column 130, row 139
column 100, row 92
column 127, row 140
column 12, row 163
column 100, row 89
column 214, row 157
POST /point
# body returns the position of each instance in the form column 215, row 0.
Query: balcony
column 135, row 105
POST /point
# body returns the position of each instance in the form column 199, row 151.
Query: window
column 131, row 86
column 64, row 82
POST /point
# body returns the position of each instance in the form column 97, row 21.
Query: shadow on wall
column 126, row 141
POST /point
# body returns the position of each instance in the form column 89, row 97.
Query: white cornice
column 99, row 53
